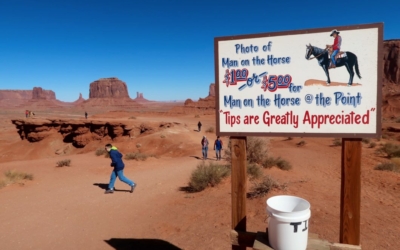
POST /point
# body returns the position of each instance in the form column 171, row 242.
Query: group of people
column 28, row 113
column 217, row 147
column 118, row 164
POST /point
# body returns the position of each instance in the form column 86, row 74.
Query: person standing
column 118, row 164
column 337, row 43
column 199, row 126
column 85, row 115
column 218, row 148
column 204, row 147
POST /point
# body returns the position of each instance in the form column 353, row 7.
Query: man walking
column 199, row 126
column 85, row 114
column 218, row 148
column 118, row 164
column 204, row 147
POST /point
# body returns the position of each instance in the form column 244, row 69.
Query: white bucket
column 288, row 222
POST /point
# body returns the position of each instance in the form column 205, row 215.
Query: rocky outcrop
column 391, row 59
column 140, row 98
column 40, row 94
column 77, row 132
column 108, row 88
column 202, row 106
column 391, row 79
column 15, row 98
column 15, row 94
column 82, row 132
column 211, row 91
column 80, row 100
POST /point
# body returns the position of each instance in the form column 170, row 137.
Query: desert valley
column 64, row 207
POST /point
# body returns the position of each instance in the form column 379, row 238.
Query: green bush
column 63, row 163
column 254, row 171
column 372, row 144
column 207, row 175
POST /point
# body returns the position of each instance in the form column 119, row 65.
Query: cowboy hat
column 334, row 31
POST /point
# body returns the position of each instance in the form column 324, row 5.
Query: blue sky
column 164, row 49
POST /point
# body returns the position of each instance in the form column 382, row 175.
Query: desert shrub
column 15, row 176
column 256, row 149
column 260, row 189
column 101, row 151
column 366, row 140
column 197, row 116
column 162, row 136
column 138, row 145
column 290, row 138
column 254, row 171
column 207, row 175
column 12, row 176
column 63, row 163
column 227, row 151
column 385, row 136
column 301, row 143
column 337, row 142
column 270, row 162
column 391, row 150
column 132, row 117
column 372, row 144
column 396, row 161
column 210, row 130
column 136, row 156
column 283, row 164
column 397, row 120
column 388, row 166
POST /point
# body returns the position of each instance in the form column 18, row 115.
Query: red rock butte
column 108, row 88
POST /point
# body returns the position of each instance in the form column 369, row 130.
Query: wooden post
column 350, row 198
column 238, row 168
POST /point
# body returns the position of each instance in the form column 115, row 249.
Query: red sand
column 62, row 208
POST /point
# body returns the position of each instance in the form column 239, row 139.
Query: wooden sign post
column 350, row 197
column 239, row 184
column 268, row 85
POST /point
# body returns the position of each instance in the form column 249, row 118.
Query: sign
column 284, row 83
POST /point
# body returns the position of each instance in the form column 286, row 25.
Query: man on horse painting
column 335, row 47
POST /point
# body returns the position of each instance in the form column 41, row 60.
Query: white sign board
column 285, row 84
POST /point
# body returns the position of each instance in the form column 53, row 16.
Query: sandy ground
column 66, row 208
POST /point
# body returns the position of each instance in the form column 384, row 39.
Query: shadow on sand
column 140, row 244
column 105, row 187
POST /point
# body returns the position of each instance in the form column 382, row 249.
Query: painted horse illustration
column 347, row 59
